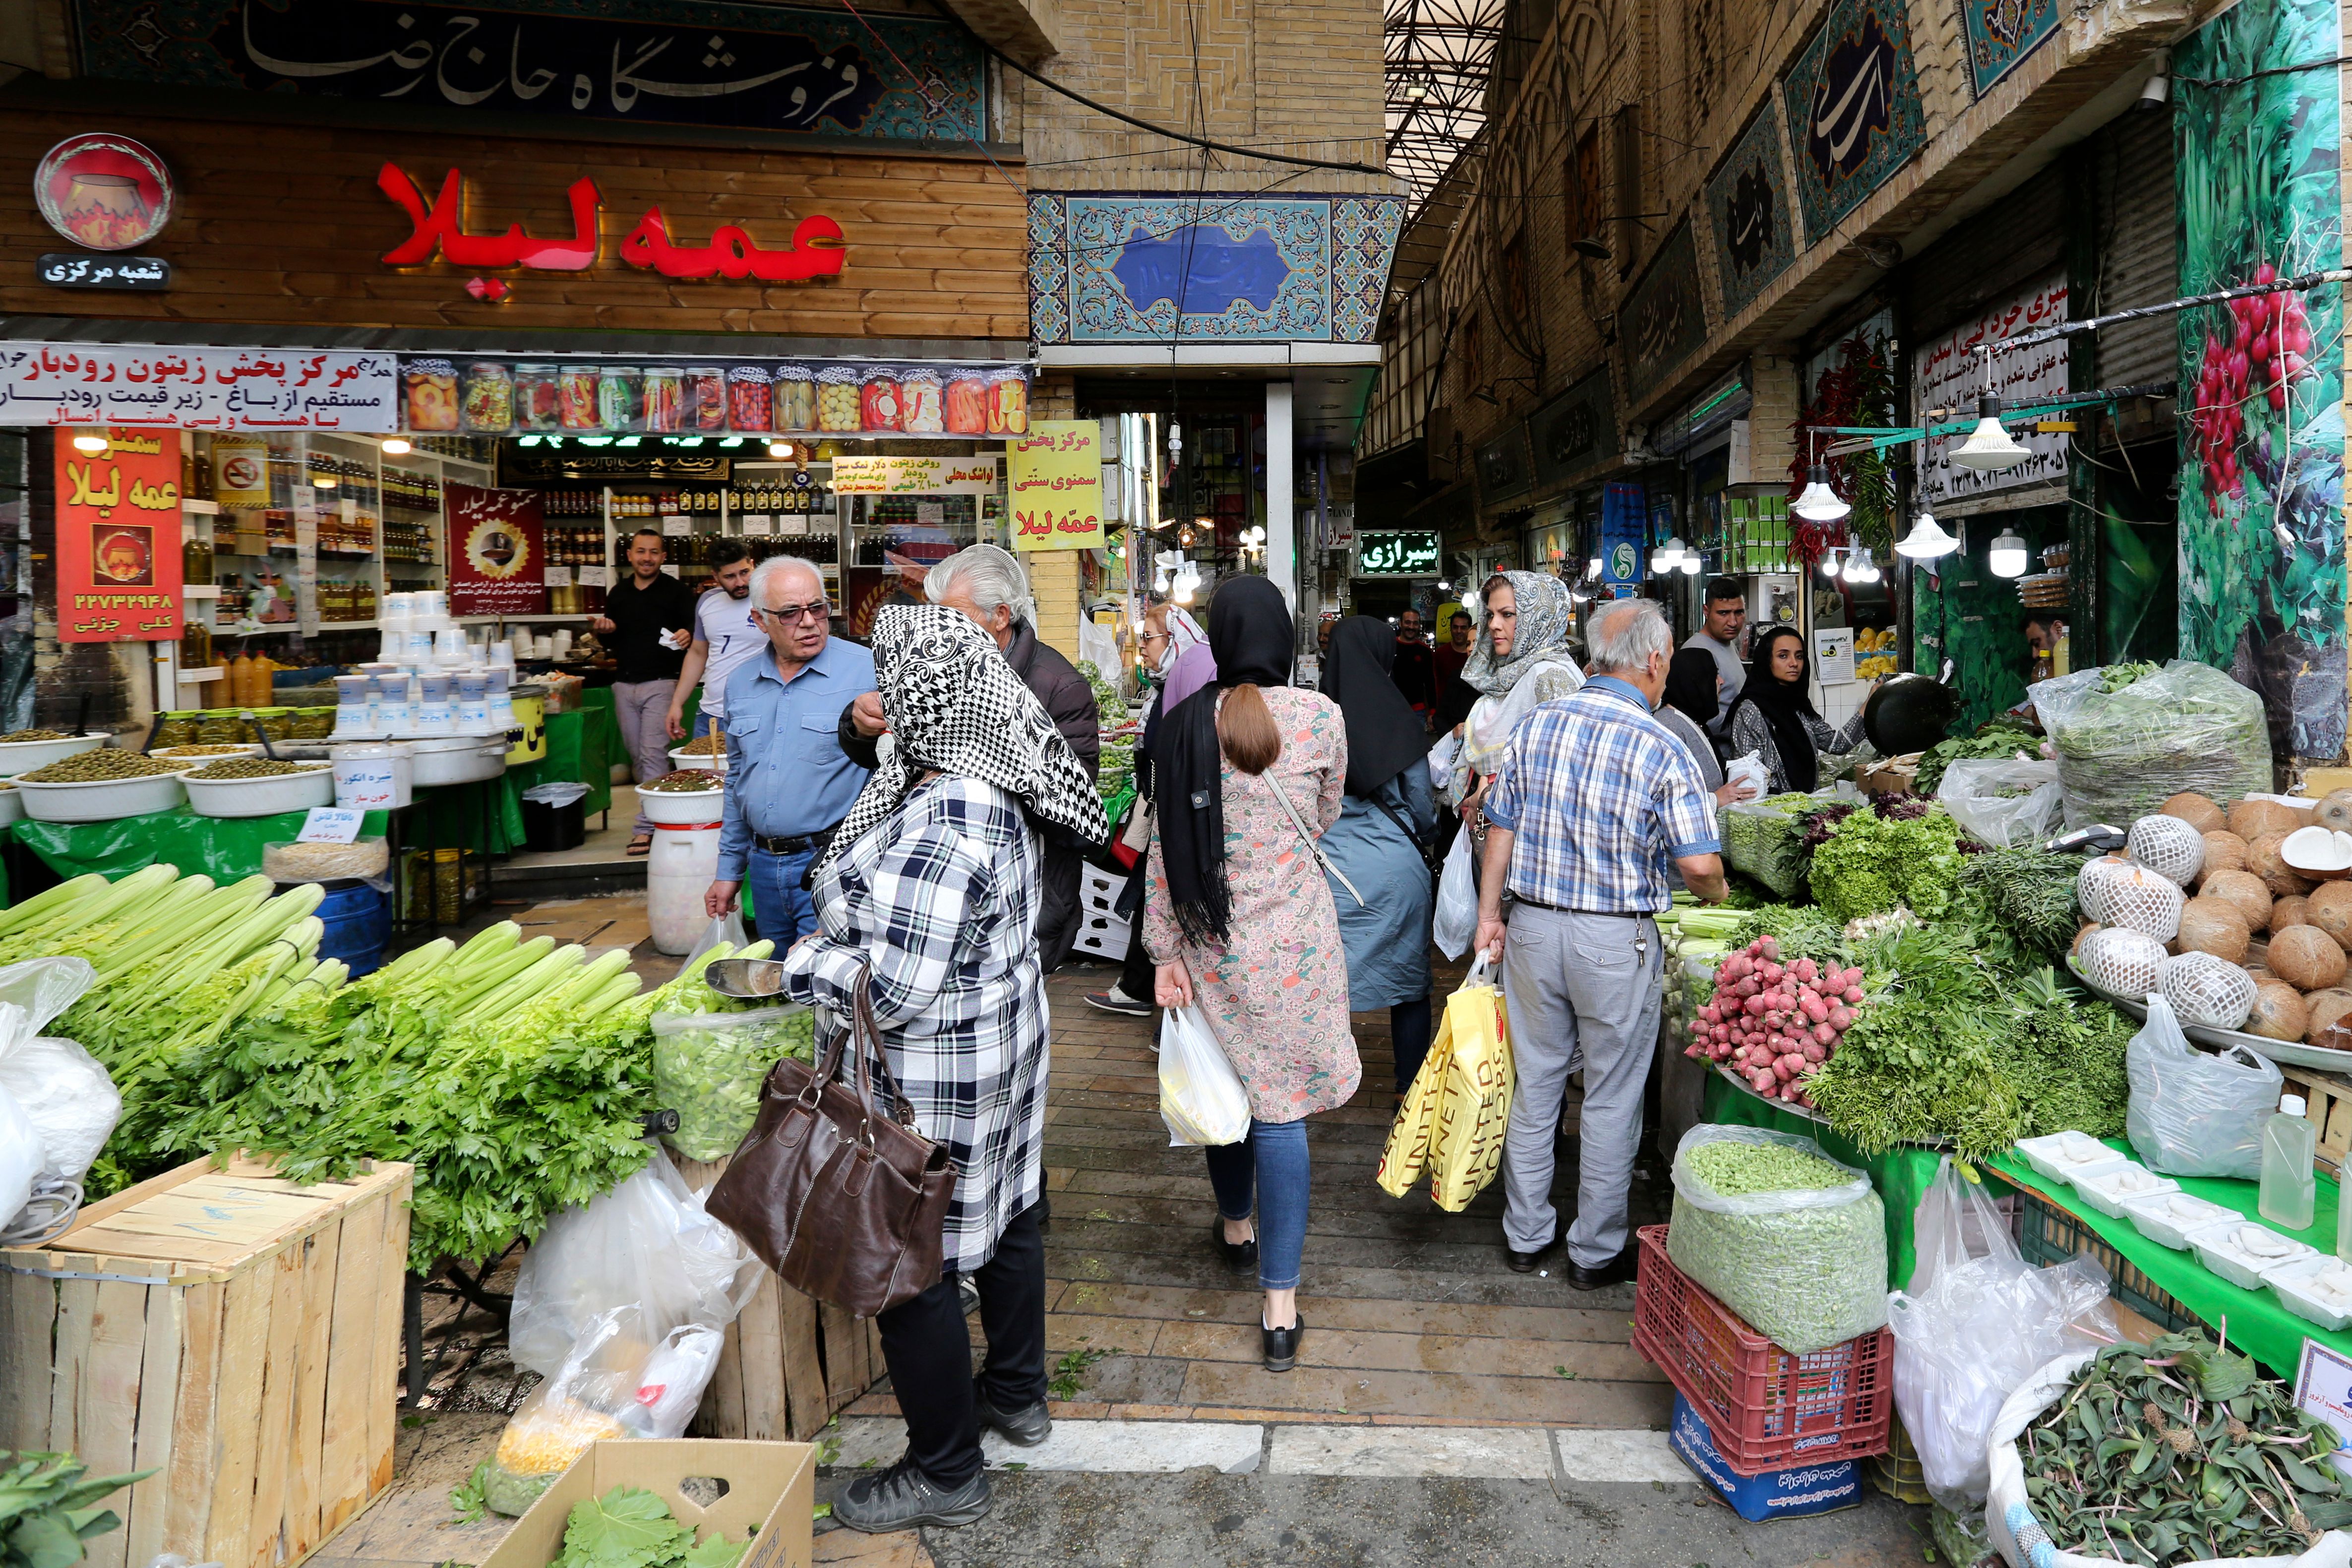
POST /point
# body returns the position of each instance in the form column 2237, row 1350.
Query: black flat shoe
column 1238, row 1255
column 1618, row 1270
column 1282, row 1344
column 1027, row 1426
column 1525, row 1262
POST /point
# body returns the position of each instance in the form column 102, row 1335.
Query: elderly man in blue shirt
column 789, row 783
column 1594, row 799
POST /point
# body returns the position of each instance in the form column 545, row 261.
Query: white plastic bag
column 64, row 1093
column 2007, row 802
column 1750, row 770
column 1442, row 758
column 1805, row 1267
column 2009, row 1516
column 1457, row 922
column 1200, row 1096
column 1975, row 1324
column 646, row 1244
column 21, row 1157
column 2193, row 1114
column 728, row 928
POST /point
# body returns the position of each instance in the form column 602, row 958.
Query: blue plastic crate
column 1792, row 1493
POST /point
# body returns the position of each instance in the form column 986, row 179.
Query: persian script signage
column 1054, row 477
column 1852, row 103
column 1748, row 211
column 497, row 563
column 744, row 67
column 1504, row 471
column 1575, row 430
column 1664, row 318
column 1399, row 554
column 1949, row 373
column 119, row 537
column 198, row 389
column 859, row 476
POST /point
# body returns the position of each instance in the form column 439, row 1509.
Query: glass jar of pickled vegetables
column 877, row 400
column 795, row 398
column 751, row 399
column 313, row 723
column 178, row 728
column 278, row 724
column 967, row 403
column 919, row 402
column 838, row 388
column 1008, row 412
column 221, row 725
column 486, row 399
column 665, row 399
column 705, row 398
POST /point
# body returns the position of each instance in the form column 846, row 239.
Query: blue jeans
column 701, row 724
column 781, row 910
column 1275, row 1153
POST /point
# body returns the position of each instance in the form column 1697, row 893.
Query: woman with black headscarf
column 1692, row 683
column 1385, row 817
column 1774, row 717
column 1248, row 774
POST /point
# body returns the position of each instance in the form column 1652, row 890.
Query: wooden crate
column 238, row 1334
column 790, row 1360
column 2328, row 1106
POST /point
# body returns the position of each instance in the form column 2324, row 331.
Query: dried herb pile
column 2174, row 1450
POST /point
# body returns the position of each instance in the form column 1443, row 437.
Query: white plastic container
column 456, row 759
column 2295, row 1282
column 196, row 757
column 2168, row 1218
column 709, row 762
column 2108, row 1190
column 2222, row 1248
column 101, row 800
column 2059, row 1157
column 262, row 796
column 378, row 775
column 678, row 808
column 12, row 806
column 678, row 872
column 24, row 756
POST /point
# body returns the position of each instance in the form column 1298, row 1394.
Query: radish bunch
column 1773, row 1023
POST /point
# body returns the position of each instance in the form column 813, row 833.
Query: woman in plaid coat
column 929, row 896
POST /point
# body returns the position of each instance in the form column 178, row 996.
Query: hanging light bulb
column 1819, row 503
column 1927, row 541
column 1593, row 569
column 1989, row 447
column 1859, row 567
column 1667, row 556
column 1692, row 562
column 2007, row 555
column 1829, row 564
column 91, row 443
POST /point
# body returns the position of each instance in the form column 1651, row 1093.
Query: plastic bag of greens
column 2005, row 802
column 708, row 1066
column 1782, row 1234
column 2122, row 754
column 1765, row 839
column 1975, row 1323
column 2191, row 1114
column 646, row 1244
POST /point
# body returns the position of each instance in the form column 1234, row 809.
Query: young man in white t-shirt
column 725, row 638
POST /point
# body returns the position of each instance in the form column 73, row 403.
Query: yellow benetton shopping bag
column 1454, row 1117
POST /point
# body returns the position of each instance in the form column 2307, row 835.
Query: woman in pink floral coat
column 1239, row 918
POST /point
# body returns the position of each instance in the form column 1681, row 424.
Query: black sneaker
column 1028, row 1426
column 902, row 1498
column 1282, row 1344
column 1239, row 1256
column 1116, row 1001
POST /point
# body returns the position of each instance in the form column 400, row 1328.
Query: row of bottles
column 416, row 492
column 571, row 503
column 409, row 541
column 576, row 546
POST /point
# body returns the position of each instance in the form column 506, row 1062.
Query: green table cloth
column 1900, row 1176
column 2257, row 1321
column 222, row 848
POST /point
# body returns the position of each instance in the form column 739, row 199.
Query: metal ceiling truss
column 1440, row 54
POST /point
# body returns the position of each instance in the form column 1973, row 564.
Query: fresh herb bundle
column 44, row 1512
column 2030, row 893
column 1870, row 863
column 2174, row 1450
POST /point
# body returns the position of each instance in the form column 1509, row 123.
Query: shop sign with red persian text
column 119, row 536
column 438, row 227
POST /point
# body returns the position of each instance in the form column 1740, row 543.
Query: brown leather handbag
column 845, row 1206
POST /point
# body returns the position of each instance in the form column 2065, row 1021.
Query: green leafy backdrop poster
column 2262, row 382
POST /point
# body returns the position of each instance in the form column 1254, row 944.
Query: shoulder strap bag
column 846, row 1205
column 1313, row 847
column 1429, row 856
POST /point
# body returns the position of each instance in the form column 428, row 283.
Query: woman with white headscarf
column 1523, row 657
column 928, row 898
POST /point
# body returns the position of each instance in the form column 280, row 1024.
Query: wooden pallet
column 790, row 1360
column 233, row 1331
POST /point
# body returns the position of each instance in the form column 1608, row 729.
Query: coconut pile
column 2241, row 918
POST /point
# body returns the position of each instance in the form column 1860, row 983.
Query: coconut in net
column 2138, row 899
column 2091, row 885
column 2206, row 990
column 2167, row 847
column 2121, row 961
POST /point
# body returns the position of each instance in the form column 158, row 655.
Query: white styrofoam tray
column 2153, row 1217
column 2042, row 1154
column 2108, row 1190
column 2289, row 1280
column 2216, row 1249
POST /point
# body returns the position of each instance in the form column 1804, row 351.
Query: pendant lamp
column 1927, row 541
column 1989, row 447
column 1819, row 503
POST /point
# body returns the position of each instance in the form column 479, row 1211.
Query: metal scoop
column 745, row 979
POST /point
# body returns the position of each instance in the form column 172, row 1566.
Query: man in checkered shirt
column 1594, row 798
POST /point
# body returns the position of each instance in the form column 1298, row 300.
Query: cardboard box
column 1792, row 1493
column 1893, row 776
column 771, row 1497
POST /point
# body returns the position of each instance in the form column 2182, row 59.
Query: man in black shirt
column 1415, row 674
column 647, row 622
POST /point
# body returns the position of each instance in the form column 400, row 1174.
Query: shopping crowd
column 911, row 816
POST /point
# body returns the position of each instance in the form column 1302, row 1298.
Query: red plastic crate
column 1768, row 1409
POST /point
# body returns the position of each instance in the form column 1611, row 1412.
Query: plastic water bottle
column 2287, row 1188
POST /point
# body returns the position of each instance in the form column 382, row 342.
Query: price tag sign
column 596, row 576
column 671, row 570
column 330, row 825
column 674, row 524
column 931, row 514
column 2323, row 1387
column 557, row 577
column 757, row 519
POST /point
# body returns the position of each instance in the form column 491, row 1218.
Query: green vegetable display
column 1765, row 839
column 709, row 1068
column 252, row 768
column 44, row 1512
column 2123, row 750
column 1869, row 864
column 2174, row 1450
column 2030, row 893
column 632, row 1528
column 1793, row 1243
column 2002, row 737
column 20, row 737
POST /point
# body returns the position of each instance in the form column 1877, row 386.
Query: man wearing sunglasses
column 789, row 783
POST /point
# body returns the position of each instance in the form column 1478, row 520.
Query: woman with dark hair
column 1249, row 773
column 1691, row 684
column 1376, row 843
column 1775, row 718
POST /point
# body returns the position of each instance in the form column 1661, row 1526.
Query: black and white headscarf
column 955, row 707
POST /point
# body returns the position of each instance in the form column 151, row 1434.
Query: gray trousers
column 643, row 709
column 1583, row 991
